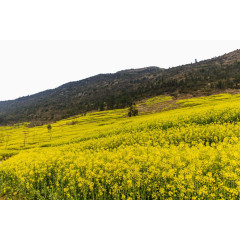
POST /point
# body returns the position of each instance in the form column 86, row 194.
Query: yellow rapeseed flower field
column 191, row 152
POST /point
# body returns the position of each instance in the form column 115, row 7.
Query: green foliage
column 49, row 127
column 120, row 90
column 133, row 111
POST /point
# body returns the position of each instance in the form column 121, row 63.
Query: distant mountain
column 121, row 89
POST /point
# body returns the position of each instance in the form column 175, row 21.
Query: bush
column 133, row 111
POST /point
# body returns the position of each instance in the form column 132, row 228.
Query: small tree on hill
column 132, row 111
column 49, row 128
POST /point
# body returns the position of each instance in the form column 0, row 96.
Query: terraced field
column 190, row 149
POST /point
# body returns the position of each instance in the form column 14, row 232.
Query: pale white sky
column 27, row 67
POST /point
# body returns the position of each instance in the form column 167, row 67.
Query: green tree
column 49, row 128
column 132, row 111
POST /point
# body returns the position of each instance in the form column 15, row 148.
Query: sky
column 28, row 67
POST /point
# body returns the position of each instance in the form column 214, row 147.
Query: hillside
column 121, row 89
column 189, row 152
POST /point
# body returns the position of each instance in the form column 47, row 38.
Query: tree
column 132, row 111
column 220, row 84
column 25, row 133
column 49, row 127
column 101, row 108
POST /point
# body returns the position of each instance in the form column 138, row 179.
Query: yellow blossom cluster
column 192, row 152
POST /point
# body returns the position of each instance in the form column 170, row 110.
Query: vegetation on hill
column 122, row 89
column 190, row 152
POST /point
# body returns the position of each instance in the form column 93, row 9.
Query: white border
column 98, row 20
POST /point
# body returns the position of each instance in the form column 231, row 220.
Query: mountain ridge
column 121, row 89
